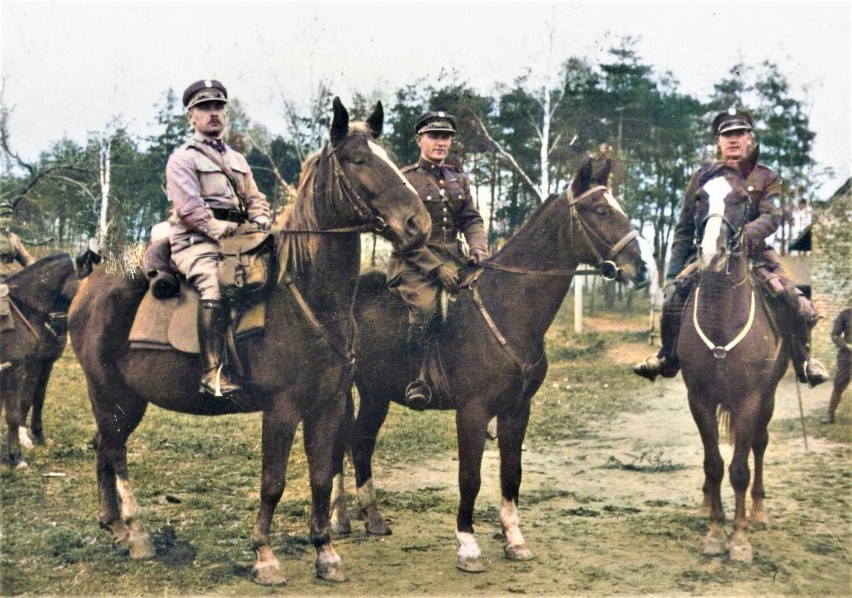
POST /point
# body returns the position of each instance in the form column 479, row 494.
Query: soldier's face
column 209, row 118
column 734, row 145
column 435, row 146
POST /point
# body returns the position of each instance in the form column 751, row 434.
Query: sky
column 69, row 68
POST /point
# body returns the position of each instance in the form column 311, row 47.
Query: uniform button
column 750, row 188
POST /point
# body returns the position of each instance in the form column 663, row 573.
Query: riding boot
column 808, row 369
column 665, row 363
column 212, row 327
column 418, row 395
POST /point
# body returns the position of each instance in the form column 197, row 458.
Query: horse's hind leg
column 513, row 427
column 714, row 471
column 279, row 428
column 119, row 511
column 324, row 445
column 371, row 415
column 471, row 423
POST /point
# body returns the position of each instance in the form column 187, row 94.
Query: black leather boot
column 808, row 369
column 665, row 362
column 211, row 338
column 418, row 395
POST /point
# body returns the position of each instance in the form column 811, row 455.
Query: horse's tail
column 723, row 416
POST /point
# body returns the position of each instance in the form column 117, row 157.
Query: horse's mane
column 531, row 221
column 295, row 250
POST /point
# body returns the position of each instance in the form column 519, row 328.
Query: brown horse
column 732, row 358
column 296, row 371
column 40, row 295
column 489, row 354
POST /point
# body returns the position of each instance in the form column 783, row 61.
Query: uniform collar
column 428, row 166
column 199, row 138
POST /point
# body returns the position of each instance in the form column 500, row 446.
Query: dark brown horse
column 40, row 295
column 490, row 351
column 297, row 371
column 732, row 358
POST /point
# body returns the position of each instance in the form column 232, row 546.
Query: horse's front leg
column 471, row 424
column 371, row 415
column 704, row 415
column 325, row 443
column 744, row 423
column 341, row 525
column 513, row 428
column 278, row 430
column 36, row 426
column 761, row 441
column 11, row 386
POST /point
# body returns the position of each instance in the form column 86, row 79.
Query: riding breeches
column 200, row 264
column 421, row 297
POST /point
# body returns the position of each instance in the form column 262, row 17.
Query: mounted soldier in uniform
column 14, row 257
column 737, row 147
column 213, row 192
column 421, row 274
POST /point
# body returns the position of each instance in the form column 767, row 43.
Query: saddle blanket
column 172, row 323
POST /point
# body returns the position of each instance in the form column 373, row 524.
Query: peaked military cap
column 7, row 209
column 206, row 90
column 436, row 121
column 731, row 120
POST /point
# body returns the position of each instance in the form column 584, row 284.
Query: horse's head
column 601, row 232
column 48, row 285
column 721, row 213
column 377, row 190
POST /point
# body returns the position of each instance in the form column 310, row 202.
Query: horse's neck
column 39, row 289
column 526, row 304
column 724, row 302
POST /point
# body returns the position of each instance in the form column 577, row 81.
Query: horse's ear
column 340, row 123
column 377, row 120
column 583, row 180
column 601, row 177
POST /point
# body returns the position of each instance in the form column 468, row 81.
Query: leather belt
column 443, row 235
column 228, row 215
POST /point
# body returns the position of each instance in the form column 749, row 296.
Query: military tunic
column 764, row 188
column 841, row 334
column 445, row 191
column 196, row 186
column 14, row 257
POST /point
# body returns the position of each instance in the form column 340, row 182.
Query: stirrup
column 217, row 384
column 815, row 373
column 650, row 368
column 418, row 395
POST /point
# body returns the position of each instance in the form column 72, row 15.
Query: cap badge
column 208, row 83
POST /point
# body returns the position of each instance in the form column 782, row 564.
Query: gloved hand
column 448, row 276
column 262, row 223
column 669, row 289
column 247, row 228
column 219, row 229
column 476, row 256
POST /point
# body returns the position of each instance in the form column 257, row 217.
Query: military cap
column 436, row 121
column 7, row 209
column 731, row 120
column 206, row 90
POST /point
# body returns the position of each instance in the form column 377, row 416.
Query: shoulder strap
column 218, row 160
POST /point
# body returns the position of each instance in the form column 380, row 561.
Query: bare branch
column 289, row 190
column 509, row 157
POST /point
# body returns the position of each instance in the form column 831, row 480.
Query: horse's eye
column 358, row 161
column 602, row 210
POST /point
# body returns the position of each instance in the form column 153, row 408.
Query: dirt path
column 614, row 513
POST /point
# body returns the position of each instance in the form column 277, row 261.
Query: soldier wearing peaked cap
column 14, row 257
column 736, row 146
column 212, row 191
column 420, row 274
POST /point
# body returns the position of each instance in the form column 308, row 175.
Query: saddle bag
column 244, row 264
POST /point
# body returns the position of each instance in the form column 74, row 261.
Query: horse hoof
column 378, row 528
column 331, row 571
column 268, row 575
column 472, row 564
column 714, row 544
column 22, row 465
column 742, row 553
column 341, row 528
column 759, row 519
column 518, row 553
column 141, row 547
column 24, row 439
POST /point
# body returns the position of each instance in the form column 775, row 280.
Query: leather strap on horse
column 524, row 366
column 23, row 317
column 718, row 351
column 348, row 353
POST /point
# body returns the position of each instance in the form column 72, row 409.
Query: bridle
column 609, row 270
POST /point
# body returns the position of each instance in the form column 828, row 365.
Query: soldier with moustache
column 738, row 147
column 209, row 204
column 420, row 274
